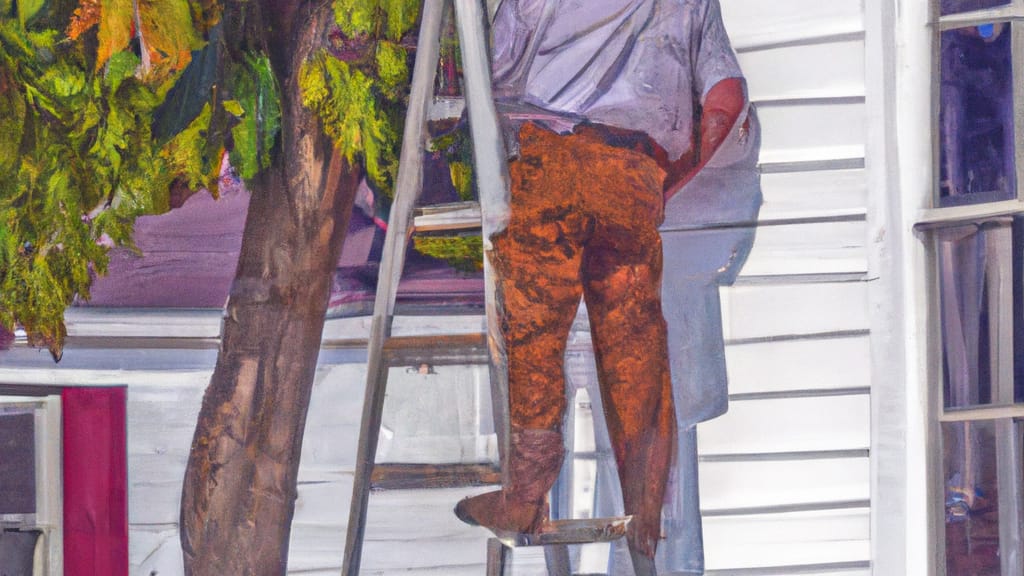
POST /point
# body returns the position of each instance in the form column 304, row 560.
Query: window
column 975, row 232
column 30, row 485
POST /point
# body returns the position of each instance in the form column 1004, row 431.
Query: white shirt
column 637, row 64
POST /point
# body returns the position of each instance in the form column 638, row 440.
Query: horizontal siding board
column 832, row 69
column 468, row 570
column 408, row 530
column 762, row 311
column 755, row 23
column 848, row 524
column 766, row 310
column 65, row 377
column 816, row 364
column 804, row 248
column 813, row 194
column 776, row 263
column 128, row 322
column 856, row 568
column 828, row 247
column 787, row 539
column 729, row 485
column 321, row 547
column 788, row 425
column 351, row 330
column 172, row 441
column 766, row 556
column 816, row 131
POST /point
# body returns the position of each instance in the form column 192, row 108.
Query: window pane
column 17, row 461
column 1018, row 309
column 976, row 115
column 982, row 475
column 957, row 6
column 981, row 312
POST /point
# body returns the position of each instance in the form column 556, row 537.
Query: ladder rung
column 409, row 476
column 436, row 350
column 571, row 532
column 442, row 217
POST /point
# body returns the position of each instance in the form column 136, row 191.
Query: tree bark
column 240, row 485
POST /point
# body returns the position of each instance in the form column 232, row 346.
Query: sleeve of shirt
column 714, row 59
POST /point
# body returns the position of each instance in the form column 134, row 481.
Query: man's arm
column 722, row 107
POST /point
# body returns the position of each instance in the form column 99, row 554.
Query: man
column 601, row 98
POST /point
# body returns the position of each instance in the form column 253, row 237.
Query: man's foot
column 520, row 507
column 497, row 513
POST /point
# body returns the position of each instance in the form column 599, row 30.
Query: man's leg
column 622, row 266
column 629, row 341
column 537, row 260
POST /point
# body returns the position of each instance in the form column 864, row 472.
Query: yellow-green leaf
column 402, row 16
column 391, row 66
column 234, row 107
column 355, row 17
column 168, row 33
column 115, row 29
column 29, row 8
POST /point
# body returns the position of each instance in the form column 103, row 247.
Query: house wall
column 785, row 475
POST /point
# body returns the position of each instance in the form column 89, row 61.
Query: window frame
column 48, row 516
column 1013, row 14
column 1008, row 418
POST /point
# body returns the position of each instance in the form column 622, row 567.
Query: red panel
column 95, row 482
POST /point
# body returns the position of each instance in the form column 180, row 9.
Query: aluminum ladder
column 384, row 350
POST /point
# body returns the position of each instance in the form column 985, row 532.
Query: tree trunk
column 240, row 484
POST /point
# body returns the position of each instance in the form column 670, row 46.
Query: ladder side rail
column 489, row 155
column 407, row 189
column 491, row 163
column 490, row 160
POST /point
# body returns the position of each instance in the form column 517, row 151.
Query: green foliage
column 78, row 157
column 345, row 101
column 461, row 252
column 186, row 154
column 29, row 8
column 257, row 110
column 356, row 17
column 165, row 28
column 358, row 89
column 401, row 16
column 78, row 164
column 457, row 148
column 379, row 19
column 392, row 69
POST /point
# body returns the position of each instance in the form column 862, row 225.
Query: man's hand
column 722, row 107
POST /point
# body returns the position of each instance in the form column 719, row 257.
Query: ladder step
column 445, row 350
column 583, row 531
column 445, row 217
column 417, row 476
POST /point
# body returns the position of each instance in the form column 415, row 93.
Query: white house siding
column 784, row 475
